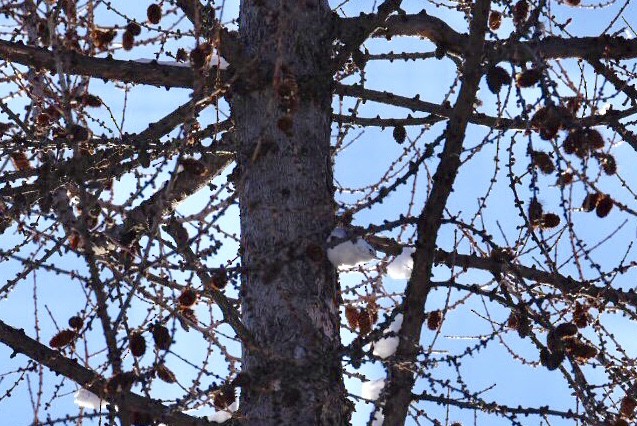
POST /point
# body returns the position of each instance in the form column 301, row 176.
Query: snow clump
column 87, row 399
column 223, row 415
column 350, row 252
column 386, row 346
column 371, row 390
column 400, row 268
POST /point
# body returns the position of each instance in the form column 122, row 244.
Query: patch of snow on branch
column 371, row 390
column 386, row 346
column 349, row 253
column 87, row 399
column 166, row 63
column 605, row 108
column 400, row 268
column 223, row 415
column 215, row 61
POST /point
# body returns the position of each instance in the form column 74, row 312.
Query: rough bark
column 289, row 289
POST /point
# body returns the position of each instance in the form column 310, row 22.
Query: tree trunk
column 289, row 295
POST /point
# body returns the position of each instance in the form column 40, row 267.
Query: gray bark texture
column 289, row 296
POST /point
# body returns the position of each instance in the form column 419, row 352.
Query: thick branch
column 626, row 134
column 386, row 122
column 566, row 285
column 552, row 47
column 421, row 25
column 191, row 9
column 402, row 379
column 364, row 28
column 614, row 79
column 105, row 68
column 415, row 104
column 71, row 369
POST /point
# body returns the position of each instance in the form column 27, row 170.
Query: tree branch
column 230, row 315
column 401, row 379
column 165, row 200
column 191, row 9
column 415, row 104
column 386, row 122
column 71, row 369
column 478, row 404
column 420, row 25
column 551, row 47
column 626, row 134
column 619, row 84
column 105, row 68
column 566, row 285
column 357, row 34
